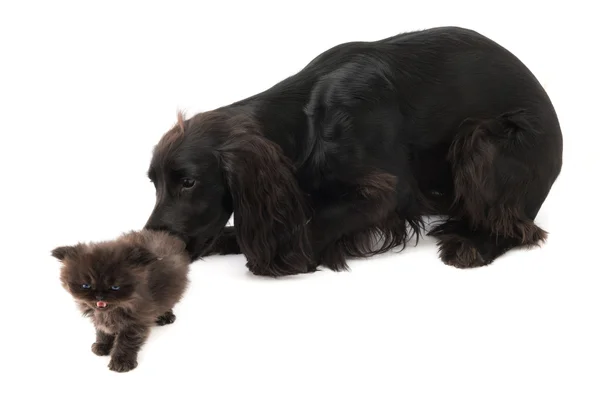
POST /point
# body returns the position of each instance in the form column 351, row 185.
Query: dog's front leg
column 340, row 227
column 226, row 243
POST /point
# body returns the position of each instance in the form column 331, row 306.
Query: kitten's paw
column 101, row 349
column 166, row 319
column 122, row 363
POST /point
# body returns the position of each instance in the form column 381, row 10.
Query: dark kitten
column 126, row 286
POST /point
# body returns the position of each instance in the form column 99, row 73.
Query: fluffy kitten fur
column 125, row 286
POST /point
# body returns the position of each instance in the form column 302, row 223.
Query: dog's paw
column 101, row 349
column 460, row 253
column 123, row 363
column 277, row 269
column 166, row 319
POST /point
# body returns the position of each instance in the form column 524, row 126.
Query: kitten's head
column 105, row 275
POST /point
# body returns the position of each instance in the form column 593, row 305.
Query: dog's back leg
column 502, row 170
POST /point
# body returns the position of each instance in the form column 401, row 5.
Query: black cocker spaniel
column 345, row 158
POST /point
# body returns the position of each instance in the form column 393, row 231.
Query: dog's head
column 192, row 198
column 215, row 164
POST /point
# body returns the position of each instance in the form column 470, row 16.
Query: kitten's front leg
column 104, row 343
column 127, row 346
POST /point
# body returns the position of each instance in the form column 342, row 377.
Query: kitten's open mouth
column 101, row 304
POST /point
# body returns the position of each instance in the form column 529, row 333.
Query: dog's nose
column 156, row 227
column 164, row 228
column 155, row 224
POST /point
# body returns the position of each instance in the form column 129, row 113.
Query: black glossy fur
column 344, row 158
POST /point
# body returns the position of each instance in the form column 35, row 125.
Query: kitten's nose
column 99, row 297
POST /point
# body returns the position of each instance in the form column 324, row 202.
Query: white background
column 87, row 90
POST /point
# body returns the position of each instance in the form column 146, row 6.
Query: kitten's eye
column 115, row 287
column 85, row 286
column 187, row 183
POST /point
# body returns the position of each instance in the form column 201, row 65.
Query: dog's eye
column 187, row 183
column 85, row 286
column 115, row 287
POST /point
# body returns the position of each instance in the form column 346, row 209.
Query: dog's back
column 388, row 105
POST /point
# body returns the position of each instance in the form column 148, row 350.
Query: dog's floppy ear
column 269, row 208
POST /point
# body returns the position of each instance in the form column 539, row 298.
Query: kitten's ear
column 139, row 255
column 63, row 252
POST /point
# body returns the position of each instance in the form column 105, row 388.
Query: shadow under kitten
column 125, row 286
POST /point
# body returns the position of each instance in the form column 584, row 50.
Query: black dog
column 344, row 158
